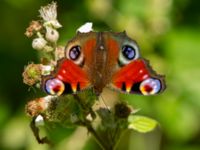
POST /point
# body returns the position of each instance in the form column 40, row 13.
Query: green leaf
column 141, row 123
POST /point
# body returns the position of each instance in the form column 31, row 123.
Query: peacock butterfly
column 102, row 59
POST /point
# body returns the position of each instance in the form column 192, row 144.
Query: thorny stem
column 97, row 137
column 36, row 133
column 54, row 45
column 88, row 125
column 82, row 105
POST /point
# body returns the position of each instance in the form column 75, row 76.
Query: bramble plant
column 77, row 109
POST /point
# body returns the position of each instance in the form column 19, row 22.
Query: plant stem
column 98, row 139
column 88, row 125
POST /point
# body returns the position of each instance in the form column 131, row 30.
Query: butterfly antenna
column 105, row 103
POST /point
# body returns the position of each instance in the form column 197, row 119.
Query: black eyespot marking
column 68, row 88
column 128, row 52
column 123, row 88
column 74, row 52
column 135, row 88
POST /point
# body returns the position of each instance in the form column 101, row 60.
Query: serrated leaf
column 141, row 123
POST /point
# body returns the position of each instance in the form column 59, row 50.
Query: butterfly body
column 102, row 59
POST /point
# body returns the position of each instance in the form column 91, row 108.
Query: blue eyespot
column 128, row 52
column 54, row 86
column 150, row 86
column 74, row 52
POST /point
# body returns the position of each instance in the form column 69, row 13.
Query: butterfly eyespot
column 74, row 52
column 150, row 86
column 54, row 86
column 128, row 53
column 75, row 55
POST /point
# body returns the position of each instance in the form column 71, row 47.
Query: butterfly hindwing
column 138, row 77
column 67, row 78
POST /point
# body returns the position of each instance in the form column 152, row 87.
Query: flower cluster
column 45, row 36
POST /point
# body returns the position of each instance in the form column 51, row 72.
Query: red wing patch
column 138, row 77
column 71, row 73
column 67, row 78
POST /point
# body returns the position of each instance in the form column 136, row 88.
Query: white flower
column 89, row 117
column 46, row 69
column 39, row 121
column 39, row 43
column 87, row 27
column 51, row 34
column 74, row 118
column 49, row 15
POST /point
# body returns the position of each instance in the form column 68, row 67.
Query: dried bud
column 49, row 12
column 39, row 43
column 51, row 34
column 34, row 26
column 49, row 15
column 35, row 107
column 32, row 74
column 122, row 110
column 38, row 106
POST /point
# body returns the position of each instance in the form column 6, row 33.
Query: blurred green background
column 168, row 32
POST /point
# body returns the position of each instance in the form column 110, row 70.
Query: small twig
column 88, row 125
column 35, row 131
column 97, row 137
column 78, row 99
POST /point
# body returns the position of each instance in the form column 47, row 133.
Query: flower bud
column 34, row 26
column 32, row 74
column 51, row 34
column 39, row 43
column 122, row 110
column 39, row 105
